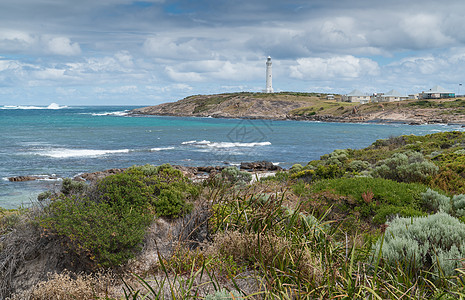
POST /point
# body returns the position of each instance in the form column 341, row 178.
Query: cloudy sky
column 123, row 52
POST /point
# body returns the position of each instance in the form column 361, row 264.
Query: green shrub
column 165, row 192
column 280, row 176
column 434, row 201
column 235, row 176
column 454, row 206
column 405, row 167
column 337, row 157
column 147, row 169
column 358, row 165
column 108, row 222
column 224, row 294
column 321, row 172
column 69, row 186
column 432, row 243
column 385, row 213
column 127, row 189
column 300, row 188
column 107, row 235
column 171, row 203
column 296, row 168
column 44, row 195
column 376, row 198
column 458, row 204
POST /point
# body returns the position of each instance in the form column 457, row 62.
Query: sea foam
column 123, row 113
column 69, row 153
column 51, row 106
column 205, row 143
column 161, row 149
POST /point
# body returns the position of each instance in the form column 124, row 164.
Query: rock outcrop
column 30, row 178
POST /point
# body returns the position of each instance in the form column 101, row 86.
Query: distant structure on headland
column 269, row 75
column 435, row 92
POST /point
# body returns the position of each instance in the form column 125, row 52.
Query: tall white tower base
column 269, row 75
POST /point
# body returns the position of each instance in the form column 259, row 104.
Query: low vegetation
column 384, row 222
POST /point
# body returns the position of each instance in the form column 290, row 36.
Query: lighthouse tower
column 269, row 79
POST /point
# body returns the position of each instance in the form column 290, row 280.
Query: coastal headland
column 310, row 107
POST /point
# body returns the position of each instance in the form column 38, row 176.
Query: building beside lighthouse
column 269, row 76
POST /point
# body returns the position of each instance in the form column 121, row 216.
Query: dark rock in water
column 260, row 166
column 97, row 175
column 29, row 178
column 209, row 169
column 22, row 178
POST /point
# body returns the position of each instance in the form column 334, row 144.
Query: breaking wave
column 70, row 153
column 209, row 144
column 112, row 113
column 51, row 106
column 161, row 149
column 91, row 153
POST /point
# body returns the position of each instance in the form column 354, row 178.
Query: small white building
column 391, row 96
column 356, row 96
column 437, row 92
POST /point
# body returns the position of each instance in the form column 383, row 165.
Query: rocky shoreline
column 194, row 173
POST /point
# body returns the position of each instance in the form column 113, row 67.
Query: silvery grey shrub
column 432, row 243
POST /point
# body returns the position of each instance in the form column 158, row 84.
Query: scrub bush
column 224, row 294
column 321, row 172
column 106, row 224
column 337, row 157
column 454, row 206
column 434, row 201
column 70, row 186
column 296, row 168
column 104, row 234
column 433, row 243
column 388, row 197
column 235, row 176
column 358, row 165
column 458, row 204
column 405, row 167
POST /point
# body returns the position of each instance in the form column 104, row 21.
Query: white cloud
column 125, row 59
column 183, row 76
column 167, row 47
column 347, row 67
column 62, row 46
column 13, row 40
column 211, row 70
column 425, row 30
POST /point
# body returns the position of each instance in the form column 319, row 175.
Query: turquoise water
column 66, row 141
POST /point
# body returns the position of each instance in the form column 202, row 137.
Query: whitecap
column 69, row 153
column 112, row 113
column 51, row 106
column 55, row 106
column 161, row 149
column 205, row 143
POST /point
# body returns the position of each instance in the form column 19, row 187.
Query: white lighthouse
column 269, row 79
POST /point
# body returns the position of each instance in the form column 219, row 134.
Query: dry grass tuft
column 269, row 249
column 67, row 285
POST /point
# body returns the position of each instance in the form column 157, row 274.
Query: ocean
column 63, row 142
